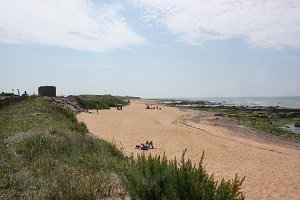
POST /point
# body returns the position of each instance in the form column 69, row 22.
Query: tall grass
column 157, row 178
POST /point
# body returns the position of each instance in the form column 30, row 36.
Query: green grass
column 100, row 101
column 46, row 153
column 260, row 120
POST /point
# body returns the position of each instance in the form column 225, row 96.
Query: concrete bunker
column 48, row 91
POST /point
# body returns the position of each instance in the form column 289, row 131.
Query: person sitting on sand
column 148, row 145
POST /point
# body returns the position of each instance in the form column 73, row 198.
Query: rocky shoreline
column 208, row 104
column 269, row 113
column 239, row 129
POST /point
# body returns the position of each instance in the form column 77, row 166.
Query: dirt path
column 272, row 170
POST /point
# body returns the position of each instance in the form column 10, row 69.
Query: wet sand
column 272, row 169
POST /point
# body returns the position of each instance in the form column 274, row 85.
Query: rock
column 297, row 124
column 69, row 103
column 292, row 115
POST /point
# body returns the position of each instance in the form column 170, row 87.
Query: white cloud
column 263, row 23
column 77, row 24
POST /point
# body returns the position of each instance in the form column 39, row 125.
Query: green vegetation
column 47, row 154
column 157, row 178
column 4, row 95
column 100, row 101
column 266, row 121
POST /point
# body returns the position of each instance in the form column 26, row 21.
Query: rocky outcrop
column 69, row 103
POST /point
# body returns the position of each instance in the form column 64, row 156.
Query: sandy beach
column 272, row 169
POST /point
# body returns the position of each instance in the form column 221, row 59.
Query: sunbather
column 148, row 145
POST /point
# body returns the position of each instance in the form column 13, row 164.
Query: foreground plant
column 154, row 177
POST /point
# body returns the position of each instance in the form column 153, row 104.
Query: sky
column 151, row 48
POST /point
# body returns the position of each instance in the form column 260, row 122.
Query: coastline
column 292, row 102
column 277, row 120
column 239, row 130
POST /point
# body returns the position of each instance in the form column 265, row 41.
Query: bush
column 157, row 178
column 100, row 102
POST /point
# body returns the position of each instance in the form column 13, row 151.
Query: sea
column 284, row 102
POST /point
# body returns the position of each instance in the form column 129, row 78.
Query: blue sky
column 147, row 48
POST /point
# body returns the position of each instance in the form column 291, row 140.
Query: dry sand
column 272, row 170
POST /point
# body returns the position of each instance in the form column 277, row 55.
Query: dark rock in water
column 297, row 124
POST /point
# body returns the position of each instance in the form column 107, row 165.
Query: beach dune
column 271, row 170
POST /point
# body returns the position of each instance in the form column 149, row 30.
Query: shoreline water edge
column 272, row 114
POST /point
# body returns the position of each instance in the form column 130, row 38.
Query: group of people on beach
column 152, row 108
column 148, row 145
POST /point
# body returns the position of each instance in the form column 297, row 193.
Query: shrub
column 100, row 102
column 157, row 178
